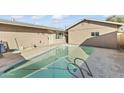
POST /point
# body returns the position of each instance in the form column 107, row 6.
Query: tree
column 114, row 18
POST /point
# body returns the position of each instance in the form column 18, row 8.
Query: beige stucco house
column 95, row 33
column 23, row 35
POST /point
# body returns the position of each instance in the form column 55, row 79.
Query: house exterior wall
column 81, row 32
column 26, row 36
column 53, row 40
column 24, row 40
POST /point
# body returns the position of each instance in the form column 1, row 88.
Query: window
column 97, row 33
column 59, row 35
column 94, row 33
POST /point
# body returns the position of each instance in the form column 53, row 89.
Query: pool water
column 52, row 64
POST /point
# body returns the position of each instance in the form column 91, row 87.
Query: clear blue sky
column 59, row 21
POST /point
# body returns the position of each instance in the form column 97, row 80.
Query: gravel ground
column 106, row 63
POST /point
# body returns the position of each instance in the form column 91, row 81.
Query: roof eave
column 108, row 22
column 6, row 22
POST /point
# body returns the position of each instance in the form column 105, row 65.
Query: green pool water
column 52, row 64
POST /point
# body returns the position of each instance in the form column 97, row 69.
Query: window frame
column 59, row 35
column 94, row 33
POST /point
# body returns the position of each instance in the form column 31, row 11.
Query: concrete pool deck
column 106, row 63
column 8, row 60
column 30, row 53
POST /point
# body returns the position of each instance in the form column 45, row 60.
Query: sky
column 58, row 21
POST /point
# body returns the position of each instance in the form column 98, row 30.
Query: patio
column 106, row 63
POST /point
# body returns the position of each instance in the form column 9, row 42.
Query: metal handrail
column 76, row 66
column 89, row 71
column 81, row 69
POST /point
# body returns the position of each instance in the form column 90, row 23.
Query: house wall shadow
column 104, row 41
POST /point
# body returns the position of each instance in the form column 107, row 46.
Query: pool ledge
column 31, row 53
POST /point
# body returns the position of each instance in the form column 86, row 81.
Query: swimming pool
column 52, row 64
